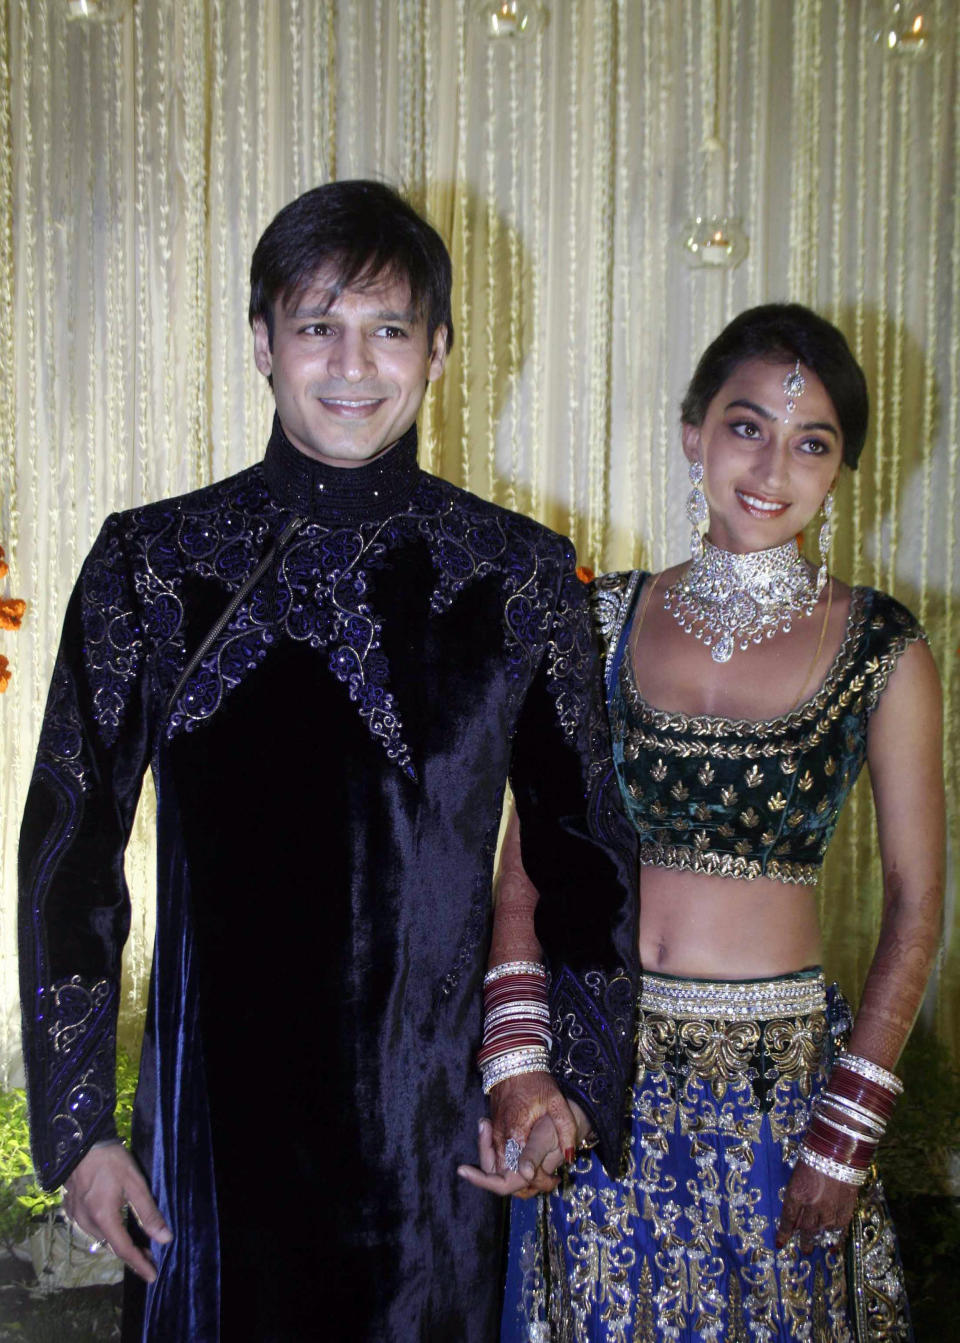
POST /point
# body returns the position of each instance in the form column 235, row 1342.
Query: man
column 332, row 661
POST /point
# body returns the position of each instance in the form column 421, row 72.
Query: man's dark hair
column 786, row 332
column 363, row 233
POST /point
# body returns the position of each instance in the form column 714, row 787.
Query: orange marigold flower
column 4, row 567
column 11, row 612
column 5, row 673
column 585, row 573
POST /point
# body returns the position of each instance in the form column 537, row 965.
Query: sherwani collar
column 339, row 494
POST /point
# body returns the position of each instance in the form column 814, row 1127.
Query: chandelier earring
column 698, row 511
column 826, row 538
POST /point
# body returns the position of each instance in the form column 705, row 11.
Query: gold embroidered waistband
column 716, row 864
column 734, row 1000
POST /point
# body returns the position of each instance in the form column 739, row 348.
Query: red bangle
column 858, row 1162
column 861, row 1091
column 839, row 1147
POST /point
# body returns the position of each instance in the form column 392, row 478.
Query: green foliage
column 21, row 1198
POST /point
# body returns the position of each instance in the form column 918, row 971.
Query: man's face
column 348, row 378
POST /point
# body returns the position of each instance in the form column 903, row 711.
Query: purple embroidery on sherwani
column 318, row 594
column 112, row 643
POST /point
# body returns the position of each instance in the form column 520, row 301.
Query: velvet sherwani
column 332, row 674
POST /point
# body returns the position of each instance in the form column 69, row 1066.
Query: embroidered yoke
column 746, row 799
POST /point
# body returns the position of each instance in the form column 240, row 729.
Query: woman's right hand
column 543, row 1153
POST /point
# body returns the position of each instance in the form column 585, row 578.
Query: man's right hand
column 95, row 1195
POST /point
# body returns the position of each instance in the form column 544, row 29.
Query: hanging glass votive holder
column 907, row 31
column 713, row 242
column 509, row 19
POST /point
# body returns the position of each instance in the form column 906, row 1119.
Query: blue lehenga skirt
column 683, row 1247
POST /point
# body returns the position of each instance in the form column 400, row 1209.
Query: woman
column 745, row 688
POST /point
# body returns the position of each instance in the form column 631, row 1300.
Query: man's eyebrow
column 824, row 425
column 324, row 310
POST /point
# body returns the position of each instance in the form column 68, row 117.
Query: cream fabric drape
column 139, row 162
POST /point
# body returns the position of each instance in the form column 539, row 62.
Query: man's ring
column 511, row 1155
column 96, row 1246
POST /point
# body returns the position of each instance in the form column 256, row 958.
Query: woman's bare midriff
column 707, row 927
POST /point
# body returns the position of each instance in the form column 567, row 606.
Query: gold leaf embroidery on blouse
column 730, row 796
column 805, row 782
column 767, row 838
column 705, row 774
column 754, row 777
column 794, row 819
column 658, row 771
column 750, row 818
column 777, row 802
column 679, row 792
column 829, row 766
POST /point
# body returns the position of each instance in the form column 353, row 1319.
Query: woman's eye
column 392, row 332
column 815, row 446
column 745, row 428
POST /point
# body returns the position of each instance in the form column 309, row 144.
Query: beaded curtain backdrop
column 140, row 160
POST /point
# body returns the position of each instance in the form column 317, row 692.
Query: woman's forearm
column 901, row 966
column 514, row 937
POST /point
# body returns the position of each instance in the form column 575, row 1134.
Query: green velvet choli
column 738, row 798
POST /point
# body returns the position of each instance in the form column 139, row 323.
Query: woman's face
column 767, row 467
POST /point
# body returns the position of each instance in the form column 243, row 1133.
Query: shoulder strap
column 890, row 628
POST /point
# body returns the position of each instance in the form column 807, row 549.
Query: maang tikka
column 698, row 511
column 793, row 387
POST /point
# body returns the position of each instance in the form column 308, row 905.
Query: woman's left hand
column 814, row 1203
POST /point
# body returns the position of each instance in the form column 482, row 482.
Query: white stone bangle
column 533, row 1060
column 871, row 1071
column 875, row 1127
column 522, row 1011
column 515, row 968
column 843, row 1128
column 836, row 1171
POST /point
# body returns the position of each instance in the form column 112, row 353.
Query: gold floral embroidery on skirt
column 683, row 1246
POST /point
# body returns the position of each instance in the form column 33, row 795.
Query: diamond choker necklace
column 727, row 599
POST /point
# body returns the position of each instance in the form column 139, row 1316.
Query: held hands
column 529, row 1109
column 95, row 1194
column 815, row 1203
